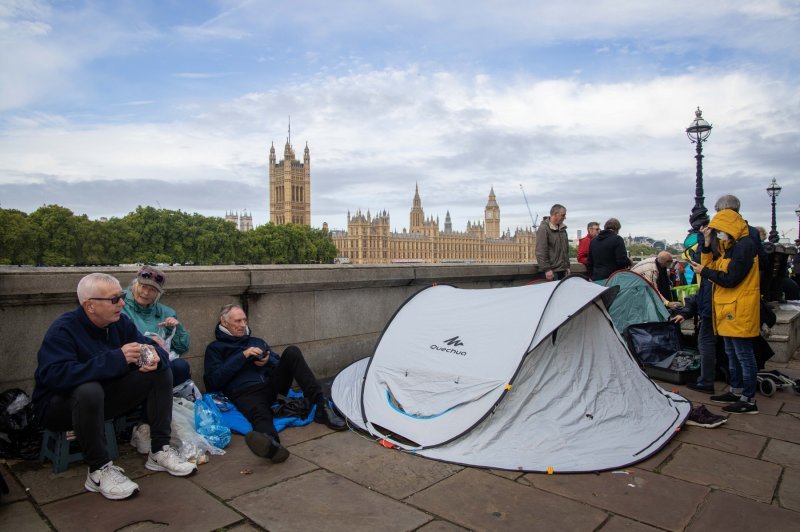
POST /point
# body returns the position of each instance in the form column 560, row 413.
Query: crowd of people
column 727, row 263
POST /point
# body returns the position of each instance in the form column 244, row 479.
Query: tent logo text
column 454, row 341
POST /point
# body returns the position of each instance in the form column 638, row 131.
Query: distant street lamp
column 774, row 191
column 797, row 212
column 698, row 132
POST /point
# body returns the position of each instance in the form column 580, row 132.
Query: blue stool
column 59, row 450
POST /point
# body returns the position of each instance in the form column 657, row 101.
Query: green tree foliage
column 288, row 244
column 17, row 235
column 54, row 236
column 641, row 250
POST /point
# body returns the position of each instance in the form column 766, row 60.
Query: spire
column 492, row 199
column 289, row 138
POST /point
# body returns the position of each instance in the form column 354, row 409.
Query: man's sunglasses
column 114, row 300
column 157, row 277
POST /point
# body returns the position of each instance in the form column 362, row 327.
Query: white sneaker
column 140, row 438
column 111, row 482
column 169, row 460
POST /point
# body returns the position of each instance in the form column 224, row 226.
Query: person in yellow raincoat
column 735, row 303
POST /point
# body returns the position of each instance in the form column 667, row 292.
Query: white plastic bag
column 191, row 445
column 187, row 390
column 166, row 339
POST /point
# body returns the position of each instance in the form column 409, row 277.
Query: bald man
column 656, row 270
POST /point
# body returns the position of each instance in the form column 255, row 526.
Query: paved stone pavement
column 743, row 476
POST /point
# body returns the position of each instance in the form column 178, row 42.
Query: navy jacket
column 76, row 351
column 226, row 367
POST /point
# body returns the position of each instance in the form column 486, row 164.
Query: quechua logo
column 455, row 341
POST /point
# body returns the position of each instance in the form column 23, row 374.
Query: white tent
column 526, row 378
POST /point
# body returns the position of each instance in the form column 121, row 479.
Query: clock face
column 489, row 215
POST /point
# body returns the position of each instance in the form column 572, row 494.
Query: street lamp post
column 698, row 132
column 774, row 191
column 797, row 212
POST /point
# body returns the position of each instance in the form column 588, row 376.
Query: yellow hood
column 731, row 222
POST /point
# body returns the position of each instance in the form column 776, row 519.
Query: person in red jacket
column 592, row 228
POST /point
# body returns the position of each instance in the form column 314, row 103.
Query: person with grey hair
column 728, row 201
column 607, row 252
column 552, row 245
column 252, row 375
column 157, row 320
column 94, row 365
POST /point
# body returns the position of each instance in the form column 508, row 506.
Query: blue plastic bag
column 208, row 423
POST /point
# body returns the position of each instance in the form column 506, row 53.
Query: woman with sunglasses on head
column 158, row 320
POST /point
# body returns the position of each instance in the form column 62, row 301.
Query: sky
column 105, row 106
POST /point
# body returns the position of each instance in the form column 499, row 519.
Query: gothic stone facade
column 289, row 187
column 368, row 239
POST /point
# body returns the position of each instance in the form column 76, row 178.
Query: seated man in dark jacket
column 252, row 376
column 95, row 365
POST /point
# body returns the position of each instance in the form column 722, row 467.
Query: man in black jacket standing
column 252, row 376
column 607, row 252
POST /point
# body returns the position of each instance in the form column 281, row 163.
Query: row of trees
column 54, row 236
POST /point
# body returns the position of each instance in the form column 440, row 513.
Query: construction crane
column 533, row 221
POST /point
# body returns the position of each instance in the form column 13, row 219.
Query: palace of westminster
column 369, row 240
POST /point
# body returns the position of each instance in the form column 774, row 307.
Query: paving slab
column 242, row 527
column 618, row 523
column 154, row 507
column 730, row 513
column 324, row 501
column 790, row 407
column 664, row 455
column 479, row 500
column 21, row 516
column 441, row 526
column 510, row 475
column 710, row 467
column 781, row 427
column 789, row 490
column 239, row 471
column 15, row 491
column 657, row 500
column 782, row 452
column 791, row 401
column 769, row 406
column 732, row 441
column 294, row 435
column 388, row 471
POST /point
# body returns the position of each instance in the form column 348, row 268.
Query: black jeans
column 87, row 407
column 255, row 402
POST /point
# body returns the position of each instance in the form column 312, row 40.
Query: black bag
column 658, row 348
column 20, row 437
column 291, row 407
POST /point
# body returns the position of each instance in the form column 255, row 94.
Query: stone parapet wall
column 334, row 313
